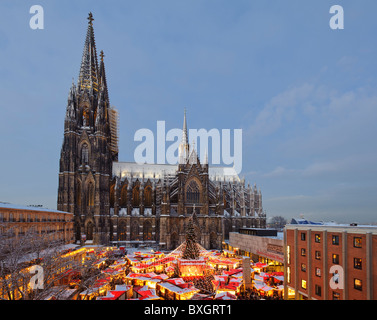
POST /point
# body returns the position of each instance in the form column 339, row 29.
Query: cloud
column 318, row 109
column 279, row 172
column 278, row 110
column 351, row 165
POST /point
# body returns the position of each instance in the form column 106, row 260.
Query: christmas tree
column 191, row 250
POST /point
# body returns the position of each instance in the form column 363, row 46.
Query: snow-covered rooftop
column 6, row 205
column 157, row 171
column 330, row 224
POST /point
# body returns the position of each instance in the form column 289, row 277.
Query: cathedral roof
column 157, row 171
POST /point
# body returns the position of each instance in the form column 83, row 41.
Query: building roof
column 179, row 288
column 157, row 171
column 331, row 226
column 6, row 205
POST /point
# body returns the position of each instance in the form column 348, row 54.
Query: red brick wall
column 352, row 272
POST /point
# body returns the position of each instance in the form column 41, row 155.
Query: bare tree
column 277, row 222
column 19, row 256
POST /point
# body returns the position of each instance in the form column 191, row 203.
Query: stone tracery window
column 123, row 197
column 135, row 231
column 193, row 192
column 122, row 231
column 147, row 231
column 136, row 196
column 91, row 194
column 112, row 196
column 85, row 153
column 148, row 196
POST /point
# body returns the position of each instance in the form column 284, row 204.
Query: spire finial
column 101, row 55
column 90, row 18
column 184, row 133
column 88, row 77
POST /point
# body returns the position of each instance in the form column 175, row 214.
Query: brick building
column 330, row 261
column 58, row 225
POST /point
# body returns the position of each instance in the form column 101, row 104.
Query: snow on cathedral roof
column 158, row 171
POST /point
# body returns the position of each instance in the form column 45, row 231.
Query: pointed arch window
column 85, row 154
column 193, row 192
column 136, row 196
column 89, row 231
column 85, row 117
column 134, row 231
column 148, row 196
column 78, row 194
column 91, row 194
column 122, row 231
column 147, row 231
column 112, row 196
column 123, row 197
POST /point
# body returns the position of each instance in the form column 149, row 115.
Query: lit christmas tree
column 191, row 250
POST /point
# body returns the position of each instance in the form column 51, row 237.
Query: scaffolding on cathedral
column 114, row 119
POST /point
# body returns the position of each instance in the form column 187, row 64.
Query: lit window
column 318, row 255
column 303, row 252
column 357, row 263
column 303, row 284
column 357, row 242
column 317, row 238
column 303, row 267
column 335, row 258
column 357, row 284
column 335, row 240
column 318, row 272
column 335, row 295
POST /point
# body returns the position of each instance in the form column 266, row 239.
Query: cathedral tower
column 89, row 148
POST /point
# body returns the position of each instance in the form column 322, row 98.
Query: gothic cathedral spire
column 89, row 148
column 183, row 151
column 88, row 77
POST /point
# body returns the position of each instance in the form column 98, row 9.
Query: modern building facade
column 331, row 261
column 128, row 203
column 260, row 244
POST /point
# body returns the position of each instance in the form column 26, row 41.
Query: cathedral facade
column 133, row 204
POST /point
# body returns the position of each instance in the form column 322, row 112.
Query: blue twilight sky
column 304, row 94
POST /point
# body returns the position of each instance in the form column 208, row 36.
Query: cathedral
column 131, row 204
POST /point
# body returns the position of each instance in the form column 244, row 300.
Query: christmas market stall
column 145, row 279
column 99, row 288
column 121, row 292
column 225, row 295
column 176, row 289
column 144, row 293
